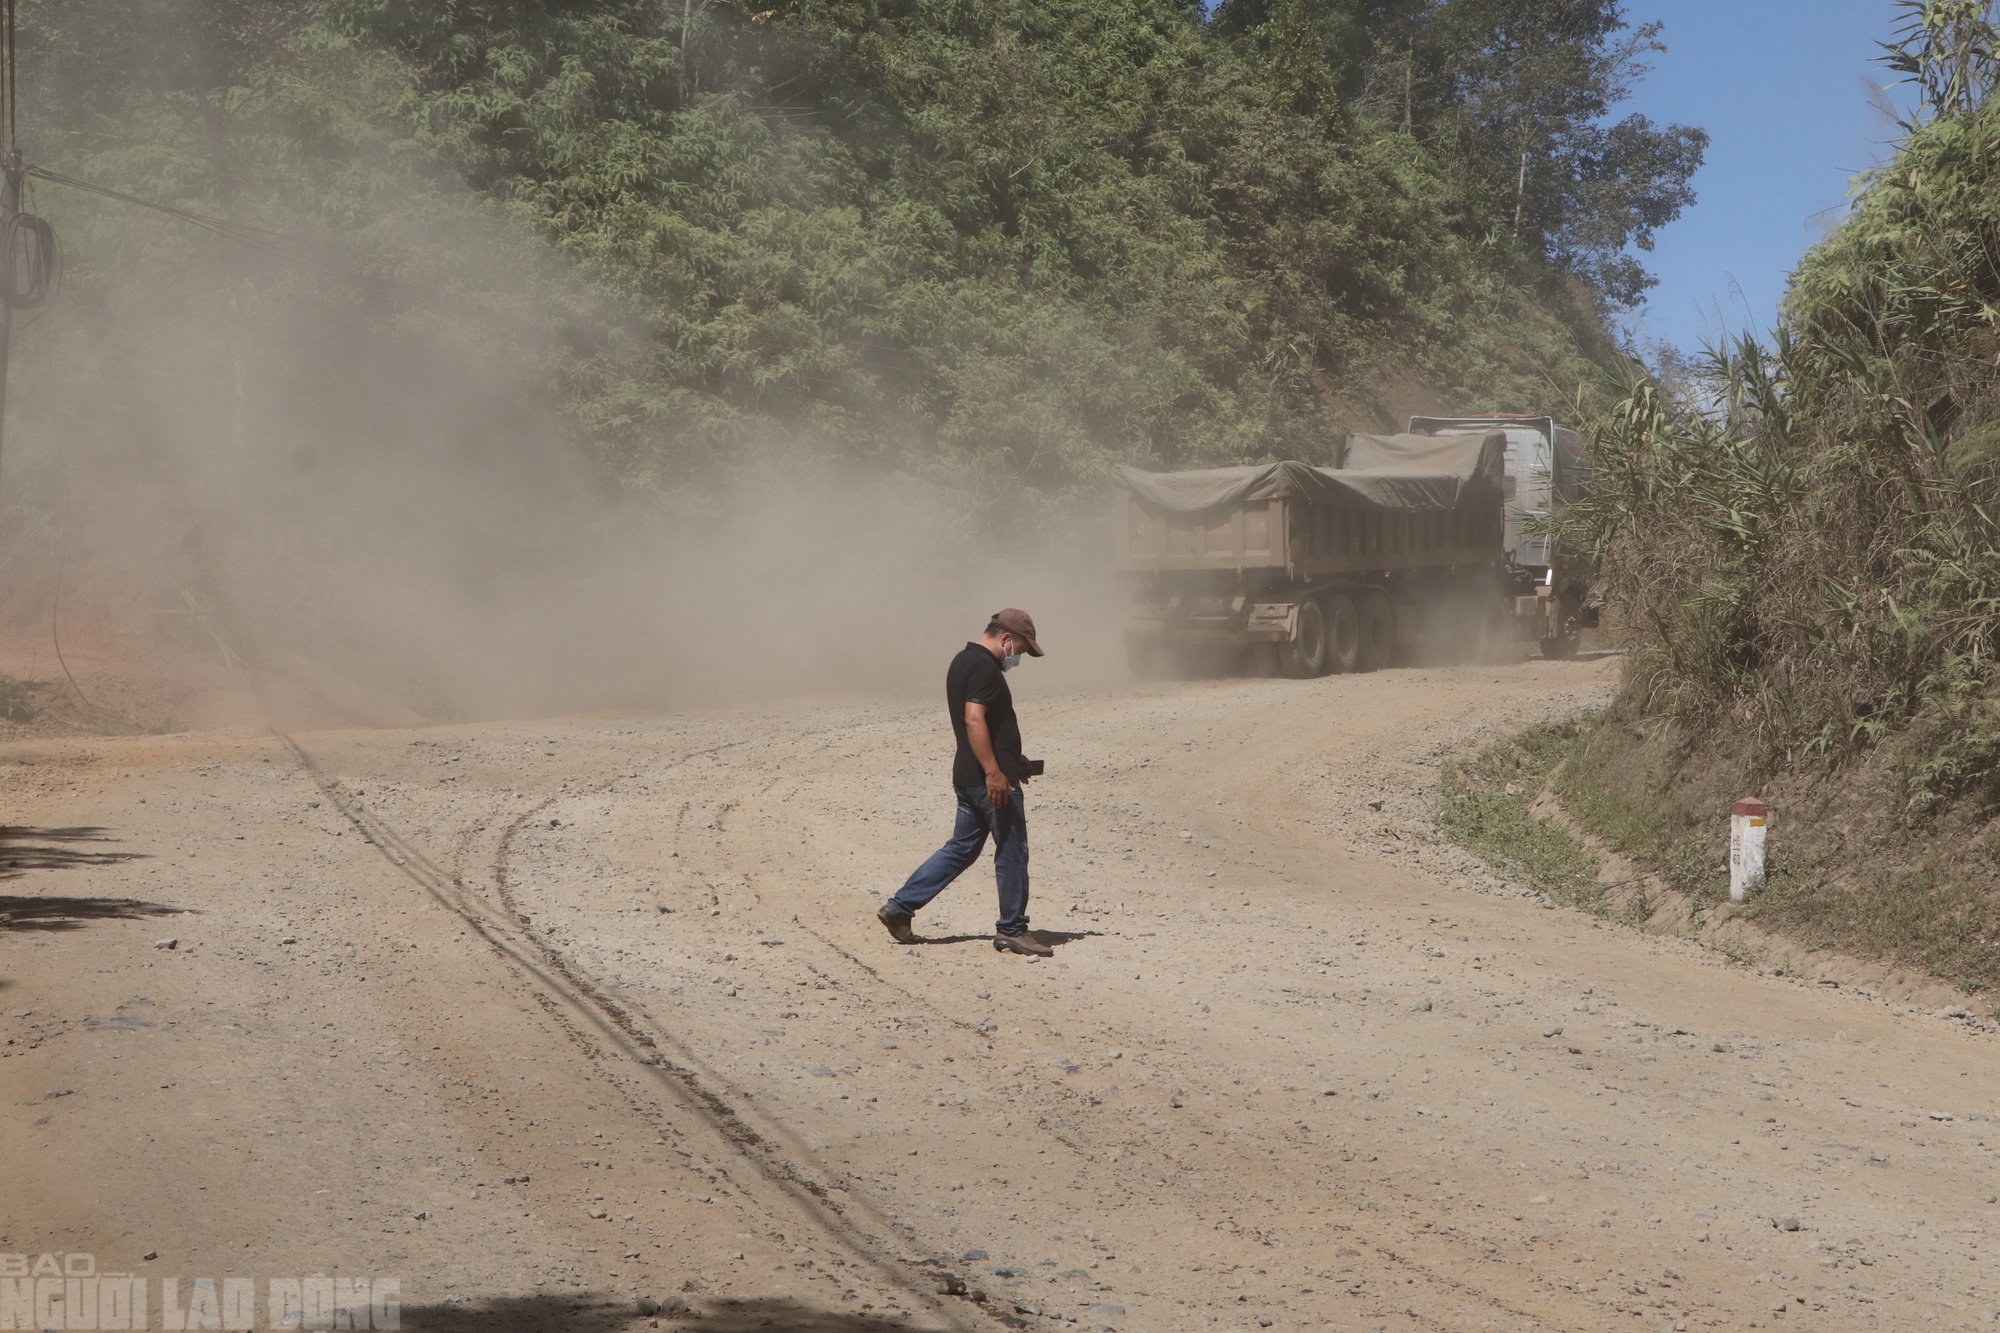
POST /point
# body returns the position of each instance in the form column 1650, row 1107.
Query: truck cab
column 1546, row 470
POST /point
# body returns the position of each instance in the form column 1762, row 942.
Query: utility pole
column 12, row 171
column 10, row 204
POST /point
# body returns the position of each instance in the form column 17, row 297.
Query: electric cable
column 55, row 284
column 42, row 254
column 13, row 82
column 38, row 261
column 274, row 243
column 200, row 220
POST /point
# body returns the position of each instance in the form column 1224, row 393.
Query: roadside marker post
column 1747, row 820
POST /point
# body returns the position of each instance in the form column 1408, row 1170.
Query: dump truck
column 1400, row 549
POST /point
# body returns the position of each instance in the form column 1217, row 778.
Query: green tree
column 1317, row 50
column 1516, row 95
column 1005, row 246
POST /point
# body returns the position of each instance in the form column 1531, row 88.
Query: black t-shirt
column 975, row 677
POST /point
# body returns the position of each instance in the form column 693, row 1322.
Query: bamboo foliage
column 1802, row 535
column 1946, row 49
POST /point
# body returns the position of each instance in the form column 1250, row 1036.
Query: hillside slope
column 590, row 352
column 1801, row 549
column 1018, row 243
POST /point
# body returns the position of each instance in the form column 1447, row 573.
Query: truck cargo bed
column 1304, row 541
column 1433, row 503
column 1317, row 569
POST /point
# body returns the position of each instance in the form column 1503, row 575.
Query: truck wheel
column 1144, row 659
column 1305, row 656
column 1378, row 631
column 1343, row 633
column 1564, row 645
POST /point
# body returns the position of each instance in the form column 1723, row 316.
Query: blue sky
column 1781, row 86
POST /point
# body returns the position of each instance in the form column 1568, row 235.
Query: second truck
column 1423, row 542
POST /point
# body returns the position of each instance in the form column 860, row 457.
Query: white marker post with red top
column 1747, row 819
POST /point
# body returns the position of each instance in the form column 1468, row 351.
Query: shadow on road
column 556, row 1314
column 17, row 913
column 1055, row 938
column 23, row 849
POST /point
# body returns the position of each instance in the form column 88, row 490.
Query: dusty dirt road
column 538, row 1019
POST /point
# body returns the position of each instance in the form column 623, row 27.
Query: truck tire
column 1343, row 633
column 1305, row 656
column 1378, row 631
column 1564, row 645
column 1144, row 659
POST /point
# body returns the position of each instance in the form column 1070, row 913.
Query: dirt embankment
column 1871, row 881
column 544, row 1018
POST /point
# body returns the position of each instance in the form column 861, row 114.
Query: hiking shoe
column 1026, row 942
column 897, row 924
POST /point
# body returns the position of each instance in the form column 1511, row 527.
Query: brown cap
column 1021, row 625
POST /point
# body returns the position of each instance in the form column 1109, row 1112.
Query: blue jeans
column 977, row 819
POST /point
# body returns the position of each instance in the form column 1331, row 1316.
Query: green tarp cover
column 1398, row 473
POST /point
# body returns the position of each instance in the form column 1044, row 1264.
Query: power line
column 213, row 224
column 274, row 243
column 45, row 256
column 31, row 255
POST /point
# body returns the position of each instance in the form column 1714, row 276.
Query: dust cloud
column 248, row 489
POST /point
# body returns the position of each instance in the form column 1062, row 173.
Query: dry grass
column 1801, row 542
column 1848, row 870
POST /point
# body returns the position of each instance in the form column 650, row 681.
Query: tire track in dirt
column 605, row 1031
column 1047, row 1105
column 501, row 909
column 1230, row 841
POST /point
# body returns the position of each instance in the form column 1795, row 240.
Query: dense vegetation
column 1802, row 544
column 990, row 243
column 1802, row 537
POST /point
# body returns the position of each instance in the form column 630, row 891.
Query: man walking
column 987, row 774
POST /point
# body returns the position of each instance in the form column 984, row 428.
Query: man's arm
column 998, row 789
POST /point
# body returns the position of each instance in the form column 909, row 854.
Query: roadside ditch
column 1533, row 808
